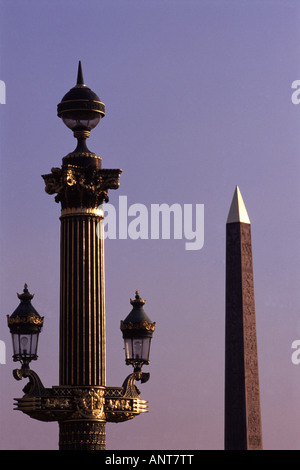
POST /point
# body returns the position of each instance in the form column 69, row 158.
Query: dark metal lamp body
column 137, row 329
column 25, row 325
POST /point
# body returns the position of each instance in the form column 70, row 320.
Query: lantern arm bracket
column 130, row 389
column 124, row 403
column 35, row 387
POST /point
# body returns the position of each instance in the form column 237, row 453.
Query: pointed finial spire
column 80, row 80
column 238, row 211
column 138, row 301
column 26, row 296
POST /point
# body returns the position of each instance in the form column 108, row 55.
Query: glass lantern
column 137, row 330
column 25, row 325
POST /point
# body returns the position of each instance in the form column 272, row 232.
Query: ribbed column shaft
column 82, row 303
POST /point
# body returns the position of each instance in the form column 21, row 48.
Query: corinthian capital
column 81, row 186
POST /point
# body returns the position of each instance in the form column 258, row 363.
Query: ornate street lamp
column 82, row 403
column 137, row 329
column 25, row 325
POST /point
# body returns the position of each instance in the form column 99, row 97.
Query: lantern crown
column 137, row 319
column 25, row 316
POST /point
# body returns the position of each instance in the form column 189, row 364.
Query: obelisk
column 242, row 396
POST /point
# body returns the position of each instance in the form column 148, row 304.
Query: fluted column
column 82, row 301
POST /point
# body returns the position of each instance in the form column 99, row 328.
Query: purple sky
column 198, row 100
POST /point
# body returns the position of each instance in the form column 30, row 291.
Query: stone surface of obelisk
column 242, row 396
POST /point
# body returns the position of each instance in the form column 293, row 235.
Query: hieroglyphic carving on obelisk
column 242, row 396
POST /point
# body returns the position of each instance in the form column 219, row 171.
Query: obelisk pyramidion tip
column 238, row 211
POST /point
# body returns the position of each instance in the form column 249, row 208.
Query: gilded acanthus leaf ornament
column 81, row 187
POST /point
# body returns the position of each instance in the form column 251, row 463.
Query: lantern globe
column 81, row 109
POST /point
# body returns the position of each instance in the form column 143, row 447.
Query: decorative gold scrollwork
column 90, row 403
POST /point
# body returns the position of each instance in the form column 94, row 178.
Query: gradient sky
column 198, row 100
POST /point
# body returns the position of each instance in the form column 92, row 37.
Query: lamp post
column 82, row 403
